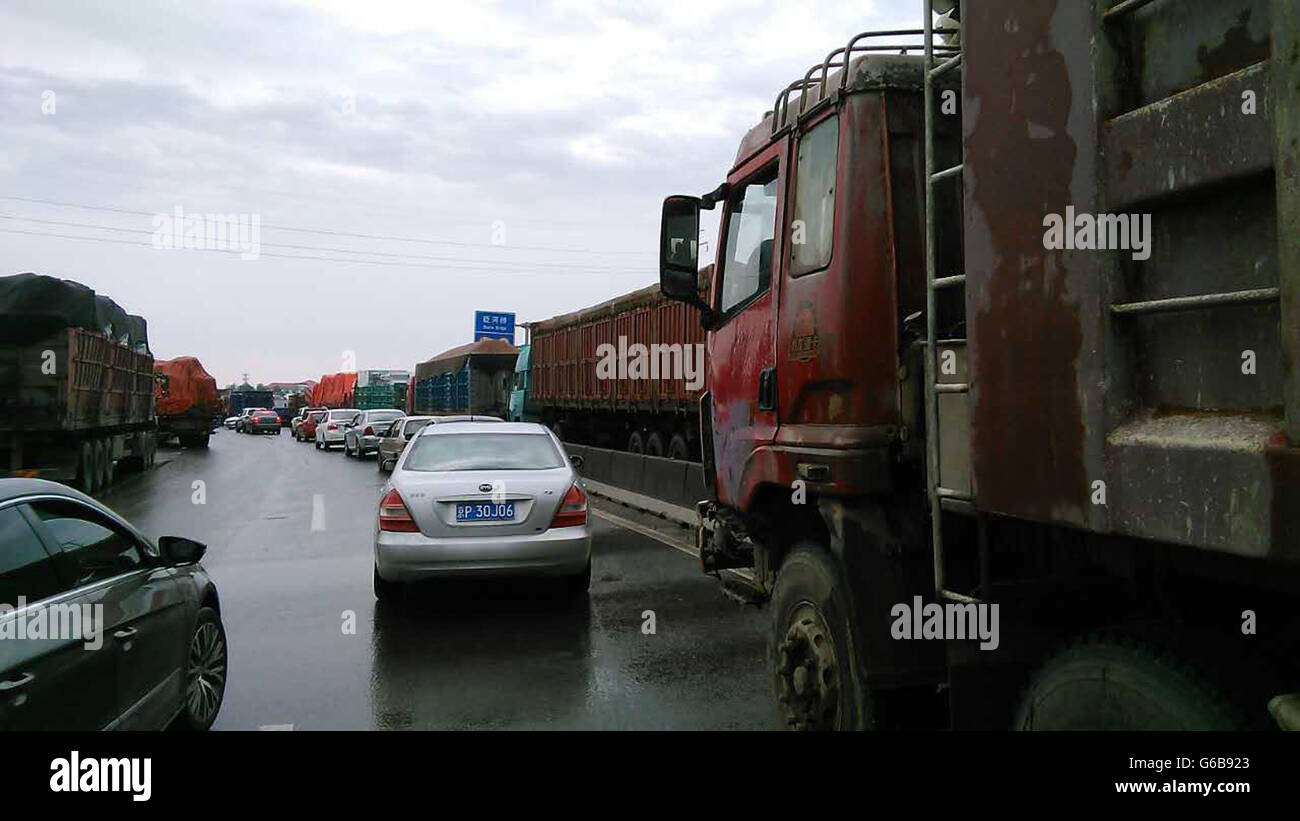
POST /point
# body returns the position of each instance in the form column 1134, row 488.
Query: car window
column 413, row 426
column 98, row 547
column 751, row 226
column 26, row 569
column 341, row 414
column 483, row 451
column 385, row 416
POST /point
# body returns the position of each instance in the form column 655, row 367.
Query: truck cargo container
column 240, row 400
column 76, row 383
column 559, row 380
column 186, row 399
column 468, row 379
column 933, row 403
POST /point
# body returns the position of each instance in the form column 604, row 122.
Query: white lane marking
column 659, row 537
column 280, row 727
column 317, row 512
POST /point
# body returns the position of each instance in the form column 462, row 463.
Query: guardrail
column 668, row 480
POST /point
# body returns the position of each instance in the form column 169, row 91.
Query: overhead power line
column 501, row 269
column 332, row 232
column 487, row 262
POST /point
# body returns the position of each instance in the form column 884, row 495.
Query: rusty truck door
column 742, row 347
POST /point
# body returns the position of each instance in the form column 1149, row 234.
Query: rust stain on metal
column 1028, row 428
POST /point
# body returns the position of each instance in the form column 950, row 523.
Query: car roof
column 13, row 488
column 477, row 427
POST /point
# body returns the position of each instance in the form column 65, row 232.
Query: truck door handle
column 123, row 635
column 16, row 683
column 767, row 389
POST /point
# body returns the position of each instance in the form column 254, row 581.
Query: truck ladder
column 938, row 494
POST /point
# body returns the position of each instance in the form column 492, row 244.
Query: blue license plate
column 488, row 512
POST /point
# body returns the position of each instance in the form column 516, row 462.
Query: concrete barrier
column 663, row 479
column 667, row 480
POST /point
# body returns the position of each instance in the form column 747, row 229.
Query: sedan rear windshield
column 317, row 416
column 342, row 414
column 483, row 451
column 385, row 416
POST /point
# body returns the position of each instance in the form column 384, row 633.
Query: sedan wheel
column 205, row 673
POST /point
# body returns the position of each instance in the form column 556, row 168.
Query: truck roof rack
column 841, row 58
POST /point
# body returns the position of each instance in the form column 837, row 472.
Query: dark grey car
column 100, row 628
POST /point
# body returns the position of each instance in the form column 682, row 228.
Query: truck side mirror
column 679, row 261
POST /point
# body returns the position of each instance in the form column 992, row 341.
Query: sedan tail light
column 331, row 426
column 573, row 509
column 393, row 515
column 369, row 431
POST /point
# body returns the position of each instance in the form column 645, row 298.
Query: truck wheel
column 101, row 467
column 202, row 440
column 110, row 469
column 1109, row 682
column 654, row 444
column 87, row 472
column 677, row 448
column 635, row 444
column 810, row 646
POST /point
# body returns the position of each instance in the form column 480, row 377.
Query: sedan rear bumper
column 405, row 557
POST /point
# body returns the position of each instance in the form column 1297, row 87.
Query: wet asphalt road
column 289, row 530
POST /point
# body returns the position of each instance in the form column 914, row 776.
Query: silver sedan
column 467, row 499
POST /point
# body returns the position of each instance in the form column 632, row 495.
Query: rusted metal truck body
column 1013, row 319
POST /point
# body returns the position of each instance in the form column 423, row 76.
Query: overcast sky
column 528, row 145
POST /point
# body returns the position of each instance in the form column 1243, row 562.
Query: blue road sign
column 494, row 325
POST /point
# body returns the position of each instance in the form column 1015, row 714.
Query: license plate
column 485, row 512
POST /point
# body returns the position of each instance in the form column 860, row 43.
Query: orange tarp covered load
column 188, row 387
column 334, row 390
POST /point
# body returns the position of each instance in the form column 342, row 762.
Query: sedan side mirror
column 576, row 460
column 178, row 551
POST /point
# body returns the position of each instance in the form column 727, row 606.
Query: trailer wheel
column 202, row 440
column 101, row 456
column 110, row 468
column 810, row 646
column 1109, row 682
column 677, row 448
column 654, row 444
column 87, row 472
column 635, row 444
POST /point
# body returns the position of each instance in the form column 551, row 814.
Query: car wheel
column 635, row 444
column 575, row 587
column 386, row 590
column 206, row 667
